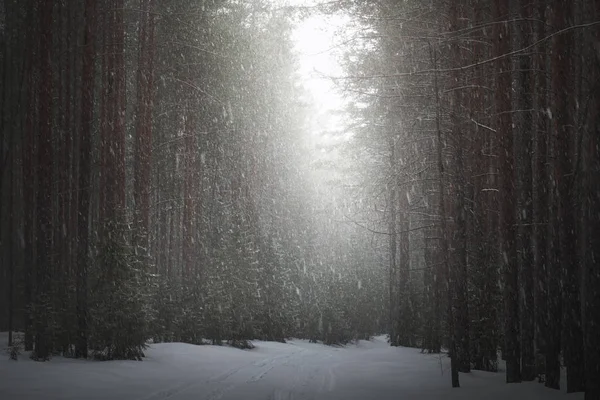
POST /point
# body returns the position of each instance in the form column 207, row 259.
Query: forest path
column 296, row 370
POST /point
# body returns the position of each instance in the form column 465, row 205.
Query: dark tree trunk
column 143, row 144
column 459, row 184
column 405, row 328
column 563, row 111
column 104, row 27
column 11, row 244
column 118, row 99
column 190, row 195
column 591, row 201
column 10, row 114
column 29, row 190
column 87, row 115
column 393, row 243
column 43, row 343
column 541, row 186
column 483, row 270
column 112, row 172
column 72, row 119
column 502, row 45
column 64, row 153
column 524, row 125
column 450, row 285
column 554, row 321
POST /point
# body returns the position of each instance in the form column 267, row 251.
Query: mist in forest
column 376, row 176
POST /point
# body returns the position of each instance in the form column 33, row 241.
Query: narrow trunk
column 190, row 195
column 591, row 200
column 592, row 217
column 143, row 143
column 502, row 45
column 11, row 244
column 118, row 99
column 524, row 125
column 541, row 187
column 405, row 327
column 459, row 239
column 43, row 345
column 29, row 191
column 87, row 115
column 563, row 112
column 393, row 243
column 444, row 236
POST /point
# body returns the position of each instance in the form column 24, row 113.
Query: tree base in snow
column 241, row 344
column 14, row 351
column 134, row 353
column 273, row 339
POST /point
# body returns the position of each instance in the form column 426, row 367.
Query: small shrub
column 241, row 344
column 119, row 315
column 14, row 351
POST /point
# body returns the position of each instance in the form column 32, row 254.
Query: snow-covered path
column 296, row 370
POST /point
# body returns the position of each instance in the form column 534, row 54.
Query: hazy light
column 316, row 39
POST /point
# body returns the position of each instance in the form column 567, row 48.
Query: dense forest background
column 158, row 182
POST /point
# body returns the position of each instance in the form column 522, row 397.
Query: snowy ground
column 273, row 371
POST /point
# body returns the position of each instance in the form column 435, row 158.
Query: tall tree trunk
column 118, row 98
column 73, row 120
column 459, row 241
column 502, row 45
column 393, row 243
column 554, row 321
column 87, row 115
column 13, row 79
column 591, row 200
column 563, row 112
column 11, row 245
column 405, row 327
column 541, row 185
column 64, row 153
column 450, row 285
column 190, row 195
column 104, row 27
column 524, row 125
column 28, row 174
column 548, row 304
column 45, row 170
column 143, row 144
column 483, row 270
column 112, row 185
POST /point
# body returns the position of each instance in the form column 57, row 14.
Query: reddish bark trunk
column 143, row 144
column 502, row 45
column 190, row 194
column 592, row 205
column 44, row 198
column 118, row 99
column 563, row 111
column 29, row 192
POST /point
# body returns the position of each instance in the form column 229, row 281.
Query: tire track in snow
column 266, row 364
column 170, row 392
column 318, row 378
column 249, row 375
column 215, row 394
column 272, row 364
column 297, row 389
